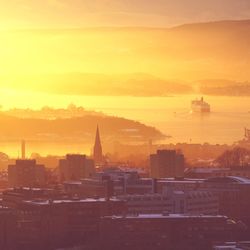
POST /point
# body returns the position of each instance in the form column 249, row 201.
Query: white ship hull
column 199, row 106
column 200, row 109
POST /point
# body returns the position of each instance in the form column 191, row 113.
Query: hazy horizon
column 149, row 54
column 127, row 61
column 116, row 47
column 124, row 124
column 84, row 13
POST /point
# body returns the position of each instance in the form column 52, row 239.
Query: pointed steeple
column 97, row 137
column 98, row 157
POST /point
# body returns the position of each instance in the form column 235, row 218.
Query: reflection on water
column 183, row 126
column 225, row 123
column 172, row 115
column 13, row 149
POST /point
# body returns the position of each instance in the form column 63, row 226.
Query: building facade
column 54, row 224
column 174, row 202
column 26, row 173
column 76, row 167
column 161, row 232
column 167, row 164
column 8, row 229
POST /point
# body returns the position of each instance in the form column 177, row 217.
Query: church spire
column 98, row 157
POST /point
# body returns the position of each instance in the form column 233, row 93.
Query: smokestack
column 23, row 147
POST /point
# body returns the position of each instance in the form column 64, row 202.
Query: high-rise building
column 76, row 167
column 98, row 156
column 166, row 164
column 26, row 173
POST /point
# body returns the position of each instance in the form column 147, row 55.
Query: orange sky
column 52, row 52
column 37, row 59
column 82, row 13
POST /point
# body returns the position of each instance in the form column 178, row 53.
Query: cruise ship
column 200, row 106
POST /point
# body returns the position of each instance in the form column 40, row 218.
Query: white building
column 175, row 202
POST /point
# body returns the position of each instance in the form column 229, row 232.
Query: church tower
column 98, row 157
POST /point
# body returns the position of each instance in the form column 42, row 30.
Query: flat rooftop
column 168, row 216
column 184, row 180
column 41, row 202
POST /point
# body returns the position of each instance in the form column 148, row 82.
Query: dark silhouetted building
column 97, row 153
column 232, row 192
column 174, row 184
column 26, row 173
column 161, row 232
column 208, row 172
column 174, row 202
column 53, row 224
column 167, row 163
column 76, row 167
column 110, row 182
column 244, row 245
column 8, row 229
column 13, row 197
column 90, row 188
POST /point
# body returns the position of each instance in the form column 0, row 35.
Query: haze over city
column 86, row 13
column 125, row 124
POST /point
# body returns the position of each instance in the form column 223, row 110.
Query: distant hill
column 235, row 89
column 106, row 85
column 221, row 87
column 103, row 61
column 75, row 129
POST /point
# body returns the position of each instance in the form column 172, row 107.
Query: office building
column 53, row 224
column 111, row 182
column 76, row 167
column 26, row 173
column 161, row 232
column 90, row 188
column 232, row 192
column 175, row 202
column 8, row 229
column 13, row 197
column 166, row 164
column 205, row 173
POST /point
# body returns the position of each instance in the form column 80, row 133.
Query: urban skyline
column 124, row 124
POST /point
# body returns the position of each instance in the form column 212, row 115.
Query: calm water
column 225, row 124
column 172, row 115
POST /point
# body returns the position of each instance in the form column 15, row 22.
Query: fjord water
column 172, row 115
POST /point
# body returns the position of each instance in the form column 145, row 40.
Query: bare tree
column 237, row 157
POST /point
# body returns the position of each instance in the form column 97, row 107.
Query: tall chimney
column 23, row 147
